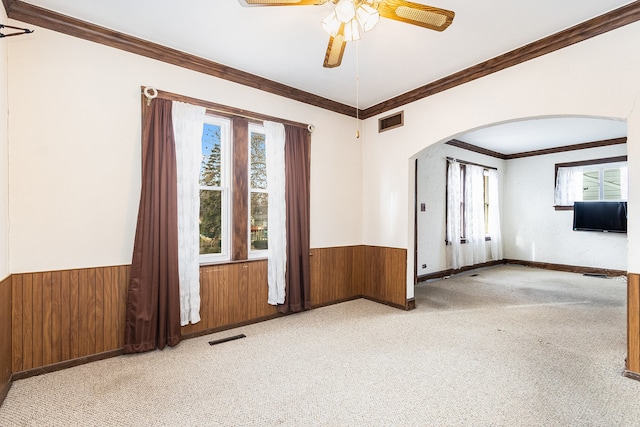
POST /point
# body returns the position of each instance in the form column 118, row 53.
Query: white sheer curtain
column 568, row 186
column 466, row 216
column 475, row 250
column 624, row 183
column 494, row 216
column 188, row 121
column 454, row 218
column 277, row 221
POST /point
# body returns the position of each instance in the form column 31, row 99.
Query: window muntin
column 214, row 190
column 258, row 194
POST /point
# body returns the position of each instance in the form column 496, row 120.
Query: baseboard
column 66, row 364
column 544, row 265
column 275, row 316
column 390, row 304
column 444, row 273
column 230, row 326
column 632, row 375
column 568, row 268
column 4, row 390
column 337, row 301
column 411, row 304
column 118, row 352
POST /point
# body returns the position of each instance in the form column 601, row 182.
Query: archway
column 525, row 152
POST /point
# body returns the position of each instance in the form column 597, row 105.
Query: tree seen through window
column 211, row 191
column 259, row 198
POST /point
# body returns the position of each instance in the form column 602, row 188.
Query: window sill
column 464, row 241
column 563, row 208
column 228, row 262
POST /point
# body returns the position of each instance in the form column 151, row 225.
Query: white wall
column 597, row 77
column 75, row 151
column 4, row 161
column 534, row 231
column 432, row 179
column 74, row 133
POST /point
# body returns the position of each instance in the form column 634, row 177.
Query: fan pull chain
column 357, row 89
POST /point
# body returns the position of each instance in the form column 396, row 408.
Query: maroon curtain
column 153, row 298
column 298, row 277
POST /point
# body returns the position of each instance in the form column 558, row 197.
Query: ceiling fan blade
column 335, row 50
column 416, row 14
column 250, row 3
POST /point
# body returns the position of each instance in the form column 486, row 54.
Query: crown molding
column 45, row 18
column 476, row 149
column 599, row 25
column 574, row 147
column 562, row 149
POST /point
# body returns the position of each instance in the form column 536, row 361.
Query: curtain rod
column 151, row 93
column 451, row 159
column 20, row 31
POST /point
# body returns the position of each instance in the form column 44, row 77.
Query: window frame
column 254, row 253
column 463, row 171
column 237, row 209
column 225, row 188
column 601, row 163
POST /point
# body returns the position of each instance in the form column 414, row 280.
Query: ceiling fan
column 348, row 16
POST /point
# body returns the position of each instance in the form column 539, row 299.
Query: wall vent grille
column 393, row 121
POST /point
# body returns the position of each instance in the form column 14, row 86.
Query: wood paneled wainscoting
column 60, row 316
column 57, row 319
column 337, row 274
column 372, row 272
column 231, row 295
column 633, row 326
column 385, row 272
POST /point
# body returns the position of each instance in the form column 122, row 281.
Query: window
column 465, row 185
column 486, row 202
column 594, row 180
column 233, row 206
column 602, row 184
column 214, row 190
column 463, row 197
column 473, row 233
column 258, row 195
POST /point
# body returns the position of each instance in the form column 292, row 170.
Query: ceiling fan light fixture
column 345, row 11
column 331, row 24
column 351, row 17
column 351, row 31
column 367, row 16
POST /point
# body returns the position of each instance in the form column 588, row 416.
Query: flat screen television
column 600, row 216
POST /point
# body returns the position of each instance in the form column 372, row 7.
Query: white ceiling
column 539, row 134
column 287, row 44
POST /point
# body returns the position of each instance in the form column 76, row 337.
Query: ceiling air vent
column 391, row 122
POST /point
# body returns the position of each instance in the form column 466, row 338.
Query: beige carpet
column 507, row 346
